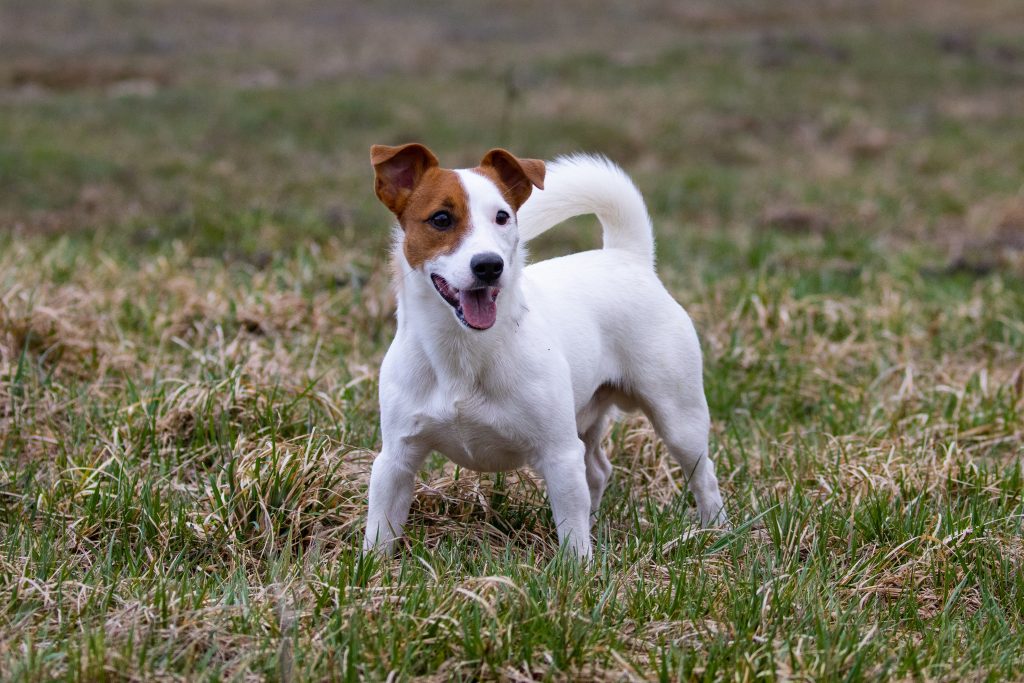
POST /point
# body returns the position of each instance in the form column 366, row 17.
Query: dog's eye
column 442, row 220
column 501, row 218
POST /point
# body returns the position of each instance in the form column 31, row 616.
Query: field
column 194, row 302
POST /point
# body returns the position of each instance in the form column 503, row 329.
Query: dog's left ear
column 517, row 176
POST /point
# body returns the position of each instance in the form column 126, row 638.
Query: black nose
column 487, row 266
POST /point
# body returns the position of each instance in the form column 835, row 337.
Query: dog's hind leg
column 599, row 467
column 683, row 423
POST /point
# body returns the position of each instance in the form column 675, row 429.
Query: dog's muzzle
column 475, row 308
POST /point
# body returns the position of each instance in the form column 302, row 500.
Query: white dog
column 499, row 365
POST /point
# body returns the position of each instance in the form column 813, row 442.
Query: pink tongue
column 478, row 307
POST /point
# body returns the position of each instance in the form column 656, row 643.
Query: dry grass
column 194, row 303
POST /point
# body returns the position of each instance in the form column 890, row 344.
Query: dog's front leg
column 391, row 487
column 565, row 475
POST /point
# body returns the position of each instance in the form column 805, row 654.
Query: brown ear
column 517, row 176
column 398, row 170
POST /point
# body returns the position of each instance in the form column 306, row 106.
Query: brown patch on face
column 515, row 177
column 438, row 190
column 409, row 181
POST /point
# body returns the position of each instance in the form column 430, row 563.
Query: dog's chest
column 479, row 432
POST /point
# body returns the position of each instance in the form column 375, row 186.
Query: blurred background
column 240, row 127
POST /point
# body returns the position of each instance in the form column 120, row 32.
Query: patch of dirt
column 796, row 219
column 867, row 142
column 965, row 44
column 1001, row 250
column 980, row 108
column 131, row 75
column 775, row 51
column 95, row 204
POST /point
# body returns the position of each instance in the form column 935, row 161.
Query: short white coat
column 575, row 338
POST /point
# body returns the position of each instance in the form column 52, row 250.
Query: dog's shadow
column 501, row 510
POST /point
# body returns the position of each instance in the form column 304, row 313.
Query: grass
column 194, row 303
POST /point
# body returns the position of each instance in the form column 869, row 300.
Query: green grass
column 194, row 301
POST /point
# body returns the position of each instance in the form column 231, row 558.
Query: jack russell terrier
column 499, row 365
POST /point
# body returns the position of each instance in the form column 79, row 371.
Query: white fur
column 574, row 338
column 582, row 184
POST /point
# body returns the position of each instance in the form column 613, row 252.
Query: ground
column 194, row 301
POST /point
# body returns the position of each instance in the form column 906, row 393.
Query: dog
column 500, row 365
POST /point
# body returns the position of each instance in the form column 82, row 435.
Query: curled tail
column 584, row 184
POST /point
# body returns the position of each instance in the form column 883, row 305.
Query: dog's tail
column 584, row 184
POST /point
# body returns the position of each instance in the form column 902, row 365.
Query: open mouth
column 475, row 308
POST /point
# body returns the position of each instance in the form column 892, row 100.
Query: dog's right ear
column 398, row 170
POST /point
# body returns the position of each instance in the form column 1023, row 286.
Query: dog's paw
column 714, row 518
column 382, row 548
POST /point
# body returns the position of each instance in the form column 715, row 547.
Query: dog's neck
column 454, row 350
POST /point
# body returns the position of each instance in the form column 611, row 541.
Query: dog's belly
column 486, row 437
column 480, row 448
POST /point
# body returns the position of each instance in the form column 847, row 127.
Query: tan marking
column 514, row 177
column 409, row 182
column 438, row 190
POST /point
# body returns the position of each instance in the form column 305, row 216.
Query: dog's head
column 459, row 226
